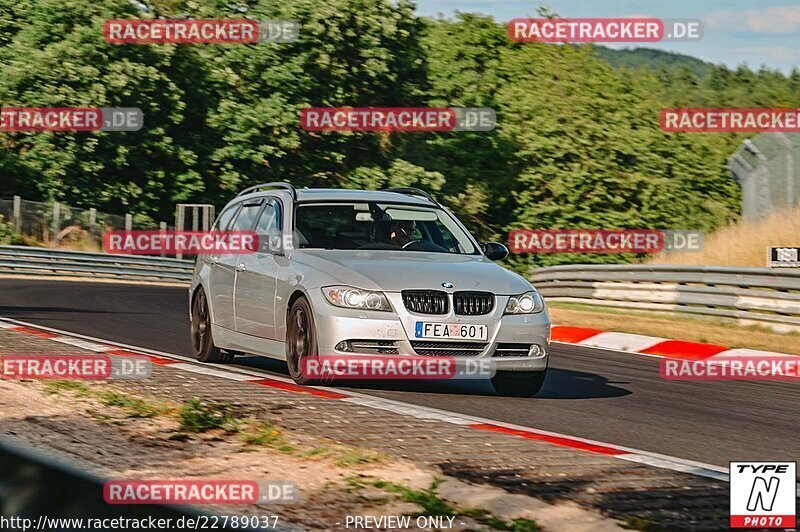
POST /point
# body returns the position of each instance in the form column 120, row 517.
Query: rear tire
column 301, row 340
column 202, row 339
column 518, row 383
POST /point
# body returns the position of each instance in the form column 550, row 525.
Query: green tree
column 58, row 58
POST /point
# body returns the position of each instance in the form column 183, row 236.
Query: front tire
column 301, row 340
column 518, row 383
column 202, row 340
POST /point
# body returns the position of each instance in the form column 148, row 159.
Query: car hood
column 393, row 271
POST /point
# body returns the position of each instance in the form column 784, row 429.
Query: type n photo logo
column 783, row 257
column 763, row 495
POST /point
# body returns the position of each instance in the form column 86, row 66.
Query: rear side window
column 226, row 217
column 268, row 228
column 247, row 217
column 269, row 224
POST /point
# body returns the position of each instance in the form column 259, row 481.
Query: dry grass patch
column 742, row 243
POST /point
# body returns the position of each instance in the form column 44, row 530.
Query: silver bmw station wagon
column 364, row 272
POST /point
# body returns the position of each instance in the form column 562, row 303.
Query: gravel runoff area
column 348, row 459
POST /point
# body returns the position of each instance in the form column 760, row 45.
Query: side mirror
column 275, row 246
column 270, row 244
column 494, row 250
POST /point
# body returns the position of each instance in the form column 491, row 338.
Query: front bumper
column 335, row 325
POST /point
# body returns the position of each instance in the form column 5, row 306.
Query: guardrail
column 57, row 494
column 751, row 296
column 57, row 262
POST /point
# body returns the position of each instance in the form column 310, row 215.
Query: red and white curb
column 184, row 363
column 649, row 345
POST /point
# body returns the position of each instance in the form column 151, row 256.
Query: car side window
column 247, row 217
column 269, row 222
column 225, row 218
column 268, row 229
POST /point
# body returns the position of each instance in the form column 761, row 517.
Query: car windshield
column 371, row 225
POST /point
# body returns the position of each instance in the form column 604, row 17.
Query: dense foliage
column 652, row 59
column 577, row 144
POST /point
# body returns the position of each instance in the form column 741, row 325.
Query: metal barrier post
column 92, row 223
column 162, row 227
column 179, row 224
column 16, row 214
column 56, row 222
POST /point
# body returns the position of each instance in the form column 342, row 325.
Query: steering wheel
column 411, row 242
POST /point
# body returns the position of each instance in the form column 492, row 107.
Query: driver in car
column 402, row 232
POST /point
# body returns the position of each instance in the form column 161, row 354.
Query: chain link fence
column 59, row 225
column 768, row 169
column 54, row 224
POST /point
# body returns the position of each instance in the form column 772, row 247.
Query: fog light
column 536, row 351
column 344, row 345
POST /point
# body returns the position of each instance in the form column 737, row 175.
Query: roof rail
column 276, row 184
column 411, row 191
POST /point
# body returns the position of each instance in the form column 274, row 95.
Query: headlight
column 527, row 303
column 349, row 297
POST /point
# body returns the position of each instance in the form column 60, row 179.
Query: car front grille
column 436, row 302
column 426, row 301
column 448, row 349
column 473, row 303
column 512, row 350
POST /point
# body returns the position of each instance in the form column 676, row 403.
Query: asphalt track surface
column 616, row 398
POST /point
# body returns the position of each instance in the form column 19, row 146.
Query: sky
column 755, row 32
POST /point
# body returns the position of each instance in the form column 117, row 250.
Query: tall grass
column 742, row 243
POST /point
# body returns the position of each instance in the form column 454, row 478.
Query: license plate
column 424, row 329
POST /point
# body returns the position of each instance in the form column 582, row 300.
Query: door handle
column 240, row 268
column 214, row 260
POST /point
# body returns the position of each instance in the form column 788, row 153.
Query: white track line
column 83, row 344
column 630, row 343
column 194, row 368
column 608, row 349
column 379, row 403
